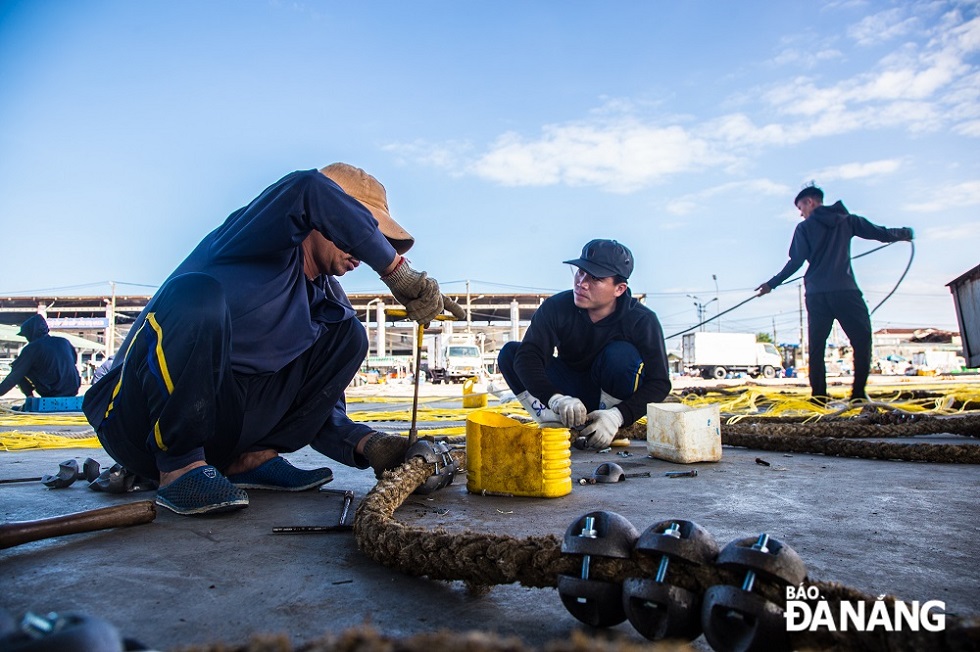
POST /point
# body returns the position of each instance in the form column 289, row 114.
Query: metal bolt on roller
column 438, row 455
column 69, row 472
column 597, row 534
column 656, row 608
column 736, row 619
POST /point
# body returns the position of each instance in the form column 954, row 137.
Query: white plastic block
column 680, row 433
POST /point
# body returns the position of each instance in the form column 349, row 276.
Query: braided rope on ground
column 836, row 438
column 864, row 427
column 482, row 560
column 368, row 639
column 940, row 453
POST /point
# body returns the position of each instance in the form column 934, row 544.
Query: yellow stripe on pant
column 151, row 319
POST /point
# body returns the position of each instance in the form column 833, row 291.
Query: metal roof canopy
column 966, row 296
column 9, row 334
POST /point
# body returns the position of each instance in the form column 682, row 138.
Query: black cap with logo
column 604, row 258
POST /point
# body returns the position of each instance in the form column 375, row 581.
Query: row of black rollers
column 732, row 618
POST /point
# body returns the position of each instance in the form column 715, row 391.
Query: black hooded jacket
column 824, row 239
column 47, row 362
column 559, row 323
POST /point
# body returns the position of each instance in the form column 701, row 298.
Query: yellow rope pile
column 772, row 402
column 38, row 430
column 763, row 403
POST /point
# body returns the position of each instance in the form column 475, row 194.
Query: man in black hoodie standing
column 823, row 239
column 46, row 365
column 611, row 357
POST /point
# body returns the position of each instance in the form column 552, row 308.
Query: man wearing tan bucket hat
column 246, row 350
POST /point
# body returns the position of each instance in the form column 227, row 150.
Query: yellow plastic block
column 472, row 396
column 506, row 456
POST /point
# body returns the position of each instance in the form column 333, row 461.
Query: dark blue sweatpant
column 178, row 401
column 850, row 310
column 617, row 370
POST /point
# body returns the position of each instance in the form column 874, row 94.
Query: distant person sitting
column 611, row 357
column 46, row 365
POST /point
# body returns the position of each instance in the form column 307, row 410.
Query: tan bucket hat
column 366, row 189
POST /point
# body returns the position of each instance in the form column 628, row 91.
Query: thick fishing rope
column 481, row 560
column 368, row 639
column 755, row 419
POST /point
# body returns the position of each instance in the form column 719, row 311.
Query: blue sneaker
column 202, row 491
column 278, row 474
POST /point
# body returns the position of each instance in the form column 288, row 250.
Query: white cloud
column 956, row 233
column 883, row 26
column 689, row 203
column 914, row 87
column 858, row 170
column 804, row 58
column 951, row 196
column 969, row 128
column 928, row 84
column 448, row 156
column 738, row 130
column 619, row 156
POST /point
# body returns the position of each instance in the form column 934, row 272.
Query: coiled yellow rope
column 735, row 404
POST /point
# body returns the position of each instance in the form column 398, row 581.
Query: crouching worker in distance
column 611, row 359
column 46, row 365
column 246, row 350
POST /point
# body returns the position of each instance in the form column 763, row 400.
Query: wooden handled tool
column 18, row 532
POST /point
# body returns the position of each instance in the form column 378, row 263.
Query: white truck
column 453, row 358
column 714, row 355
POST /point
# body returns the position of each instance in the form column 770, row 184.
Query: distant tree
column 763, row 337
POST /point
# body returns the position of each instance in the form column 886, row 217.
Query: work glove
column 419, row 294
column 569, row 409
column 454, row 308
column 385, row 452
column 602, row 428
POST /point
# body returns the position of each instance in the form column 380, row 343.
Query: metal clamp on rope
column 437, row 454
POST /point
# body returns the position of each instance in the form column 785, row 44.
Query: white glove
column 569, row 409
column 602, row 427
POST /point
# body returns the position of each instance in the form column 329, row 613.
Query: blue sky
column 507, row 135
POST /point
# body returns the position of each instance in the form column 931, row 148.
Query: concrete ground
column 902, row 528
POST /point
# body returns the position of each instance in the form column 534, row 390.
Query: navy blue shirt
column 257, row 257
column 47, row 362
column 559, row 323
column 824, row 239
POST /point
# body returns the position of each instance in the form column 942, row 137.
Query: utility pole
column 468, row 300
column 110, row 331
column 702, row 309
column 367, row 323
column 714, row 277
column 802, row 332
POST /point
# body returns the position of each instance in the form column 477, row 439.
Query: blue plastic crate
column 53, row 404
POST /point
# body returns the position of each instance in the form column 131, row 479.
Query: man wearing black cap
column 611, row 358
column 46, row 365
